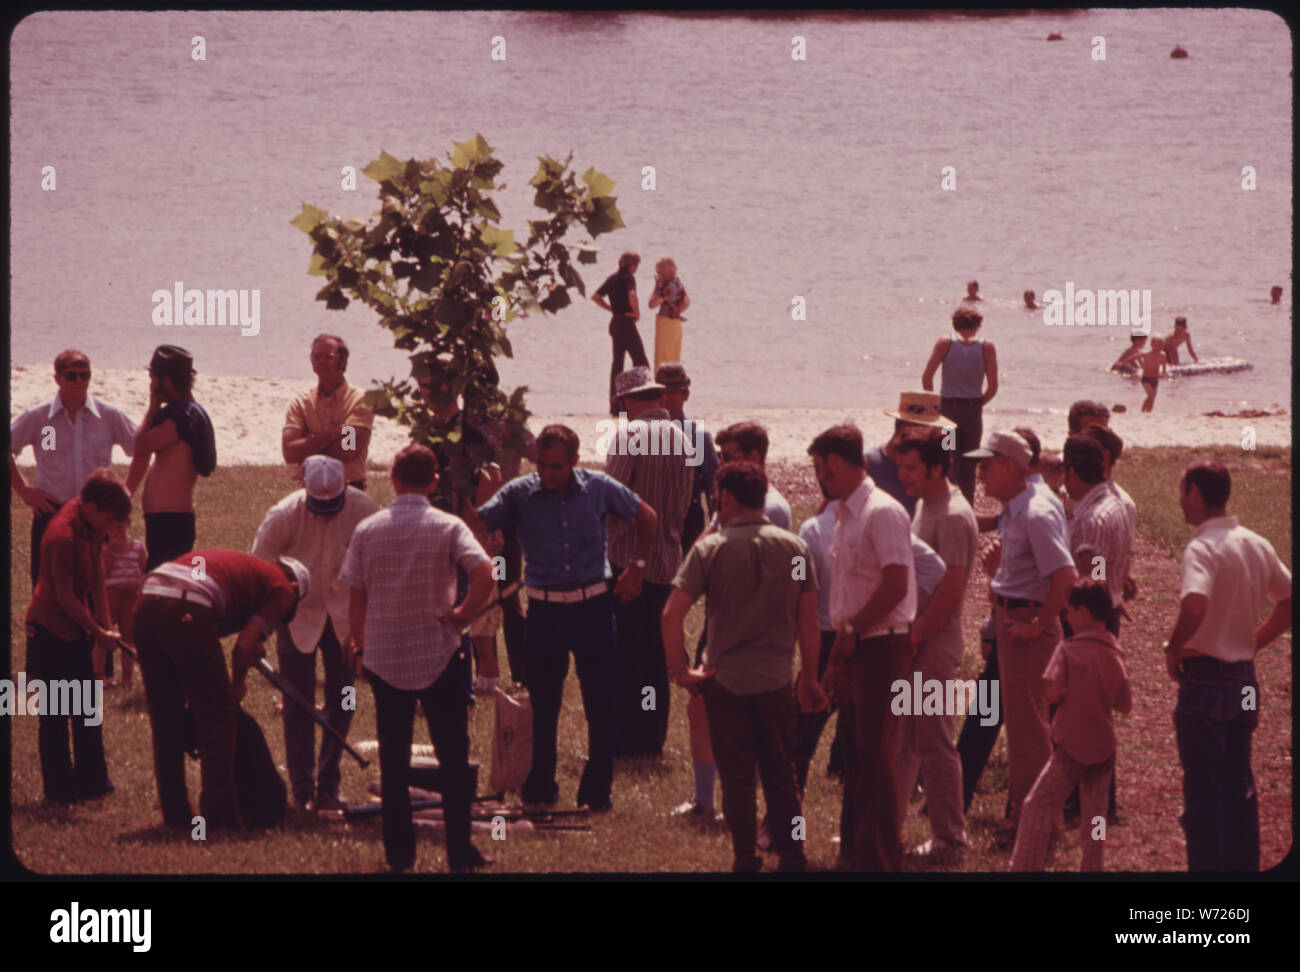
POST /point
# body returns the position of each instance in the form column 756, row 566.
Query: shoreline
column 247, row 414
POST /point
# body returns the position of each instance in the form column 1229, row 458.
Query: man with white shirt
column 1229, row 575
column 314, row 525
column 71, row 436
column 873, row 602
column 1099, row 533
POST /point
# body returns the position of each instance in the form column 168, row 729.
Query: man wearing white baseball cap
column 314, row 525
column 1034, row 573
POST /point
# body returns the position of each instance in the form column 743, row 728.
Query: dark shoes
column 330, row 801
column 750, row 865
column 471, row 861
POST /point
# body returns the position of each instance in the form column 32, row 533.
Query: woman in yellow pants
column 671, row 299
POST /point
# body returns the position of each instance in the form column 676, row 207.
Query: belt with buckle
column 176, row 593
column 1016, row 602
column 881, row 632
column 568, row 597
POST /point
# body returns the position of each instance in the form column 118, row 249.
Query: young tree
column 445, row 279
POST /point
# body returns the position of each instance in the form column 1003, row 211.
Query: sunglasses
column 77, row 375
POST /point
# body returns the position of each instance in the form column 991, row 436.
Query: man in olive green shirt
column 762, row 590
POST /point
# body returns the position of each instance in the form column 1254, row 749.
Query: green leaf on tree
column 503, row 240
column 308, row 218
column 384, row 169
column 601, row 184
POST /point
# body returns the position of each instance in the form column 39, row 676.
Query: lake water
column 775, row 178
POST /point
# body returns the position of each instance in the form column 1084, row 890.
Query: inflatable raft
column 1206, row 366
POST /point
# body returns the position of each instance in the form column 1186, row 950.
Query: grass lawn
column 122, row 833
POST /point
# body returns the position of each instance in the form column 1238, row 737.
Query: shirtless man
column 973, row 291
column 1030, row 303
column 1179, row 336
column 1275, row 295
column 179, row 432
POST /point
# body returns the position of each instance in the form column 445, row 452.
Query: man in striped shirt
column 401, row 565
column 661, row 477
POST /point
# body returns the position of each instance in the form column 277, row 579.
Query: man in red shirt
column 69, row 611
column 186, row 606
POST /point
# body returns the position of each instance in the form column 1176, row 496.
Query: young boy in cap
column 1087, row 679
column 179, row 432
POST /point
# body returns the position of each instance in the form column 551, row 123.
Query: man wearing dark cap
column 314, row 525
column 677, row 391
column 186, row 607
column 179, row 432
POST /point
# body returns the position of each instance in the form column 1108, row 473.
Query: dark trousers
column 299, row 667
column 976, row 741
column 181, row 661
column 51, row 659
column 968, row 414
column 641, row 721
column 809, row 725
column 869, row 824
column 627, row 341
column 694, row 523
column 167, row 536
column 512, row 616
column 446, row 715
column 587, row 629
column 1220, row 806
column 745, row 730
column 39, row 522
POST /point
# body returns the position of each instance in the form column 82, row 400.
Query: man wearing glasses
column 72, row 436
column 329, row 419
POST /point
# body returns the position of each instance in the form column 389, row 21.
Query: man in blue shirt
column 559, row 513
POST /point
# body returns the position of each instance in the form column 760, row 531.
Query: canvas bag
column 512, row 742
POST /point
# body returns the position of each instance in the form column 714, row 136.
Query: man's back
column 664, row 482
column 1240, row 573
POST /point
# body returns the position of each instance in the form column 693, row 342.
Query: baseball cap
column 301, row 575
column 323, row 478
column 1003, row 443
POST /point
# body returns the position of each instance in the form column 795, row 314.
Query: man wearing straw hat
column 914, row 409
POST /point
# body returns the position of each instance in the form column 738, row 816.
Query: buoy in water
column 1178, row 52
column 1055, row 36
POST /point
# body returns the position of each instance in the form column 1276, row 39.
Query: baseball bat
column 293, row 695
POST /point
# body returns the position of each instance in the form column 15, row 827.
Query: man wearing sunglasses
column 72, row 436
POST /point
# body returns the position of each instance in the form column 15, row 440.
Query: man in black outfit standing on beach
column 618, row 296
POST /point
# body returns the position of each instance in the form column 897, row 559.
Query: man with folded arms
column 186, row 607
column 314, row 525
column 1229, row 575
column 71, row 436
column 559, row 512
column 178, row 431
column 406, row 632
column 1034, row 573
column 329, row 419
column 873, row 602
column 759, row 602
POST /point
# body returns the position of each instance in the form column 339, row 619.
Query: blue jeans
column 1220, row 806
column 553, row 630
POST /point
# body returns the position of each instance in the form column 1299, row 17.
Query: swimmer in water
column 1180, row 336
column 1154, row 366
column 1276, row 294
column 973, row 291
column 1029, row 301
column 1126, row 361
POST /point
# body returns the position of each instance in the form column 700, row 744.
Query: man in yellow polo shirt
column 329, row 419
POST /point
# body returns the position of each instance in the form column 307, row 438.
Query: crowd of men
column 871, row 591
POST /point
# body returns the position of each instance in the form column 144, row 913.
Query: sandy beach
column 248, row 414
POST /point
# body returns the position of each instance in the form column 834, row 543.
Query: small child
column 124, row 560
column 1087, row 679
column 1180, row 336
column 1154, row 366
column 1126, row 361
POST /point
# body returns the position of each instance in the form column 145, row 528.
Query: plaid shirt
column 405, row 559
column 664, row 482
column 1100, row 528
